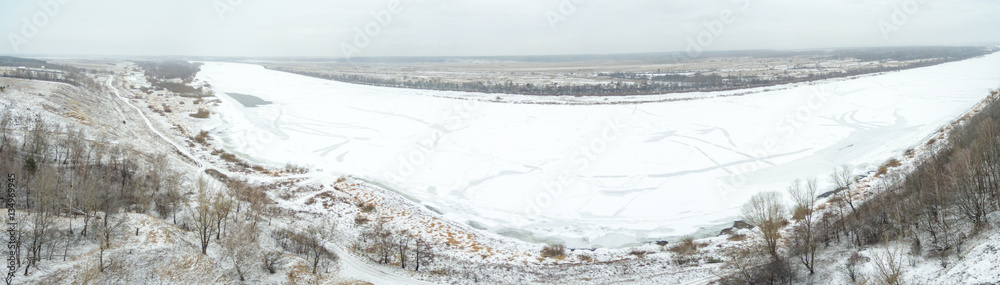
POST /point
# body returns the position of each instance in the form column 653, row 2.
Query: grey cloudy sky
column 485, row 27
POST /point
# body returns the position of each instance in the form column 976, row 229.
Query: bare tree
column 766, row 211
column 743, row 264
column 313, row 240
column 171, row 199
column 423, row 253
column 258, row 206
column 804, row 243
column 45, row 184
column 221, row 207
column 106, row 232
column 889, row 267
column 309, row 244
column 38, row 142
column 89, row 204
column 240, row 249
column 842, row 178
column 972, row 195
column 5, row 130
column 204, row 216
column 402, row 246
column 378, row 239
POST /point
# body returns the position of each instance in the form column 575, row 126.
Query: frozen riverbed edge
column 673, row 168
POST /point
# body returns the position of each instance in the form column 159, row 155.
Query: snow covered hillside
column 595, row 175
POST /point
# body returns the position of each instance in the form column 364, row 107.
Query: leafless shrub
column 292, row 168
column 366, row 207
column 752, row 265
column 851, row 268
column 308, row 244
column 554, row 251
column 889, row 267
column 201, row 138
column 270, row 261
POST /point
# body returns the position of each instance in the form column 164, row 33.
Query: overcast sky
column 483, row 27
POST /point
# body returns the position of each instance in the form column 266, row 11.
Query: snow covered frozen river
column 590, row 175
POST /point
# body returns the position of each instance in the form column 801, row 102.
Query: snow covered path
column 590, row 175
column 351, row 267
column 149, row 125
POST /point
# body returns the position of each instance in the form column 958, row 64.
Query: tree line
column 934, row 209
column 160, row 73
column 644, row 83
column 61, row 172
column 170, row 69
column 619, row 83
column 73, row 190
column 70, row 75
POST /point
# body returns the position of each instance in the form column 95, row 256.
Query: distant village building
column 29, row 72
column 50, row 71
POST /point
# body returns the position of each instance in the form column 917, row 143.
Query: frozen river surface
column 591, row 175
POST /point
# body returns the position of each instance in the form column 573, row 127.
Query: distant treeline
column 70, row 75
column 913, row 53
column 172, row 69
column 17, row 61
column 158, row 73
column 179, row 88
column 631, row 83
column 715, row 82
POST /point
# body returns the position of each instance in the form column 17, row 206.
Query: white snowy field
column 590, row 175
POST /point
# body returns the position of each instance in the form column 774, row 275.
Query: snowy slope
column 590, row 175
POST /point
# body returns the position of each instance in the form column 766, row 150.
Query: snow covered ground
column 590, row 175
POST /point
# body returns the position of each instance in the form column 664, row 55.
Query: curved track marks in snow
column 592, row 175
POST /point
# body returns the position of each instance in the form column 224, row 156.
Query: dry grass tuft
column 201, row 114
column 686, row 246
